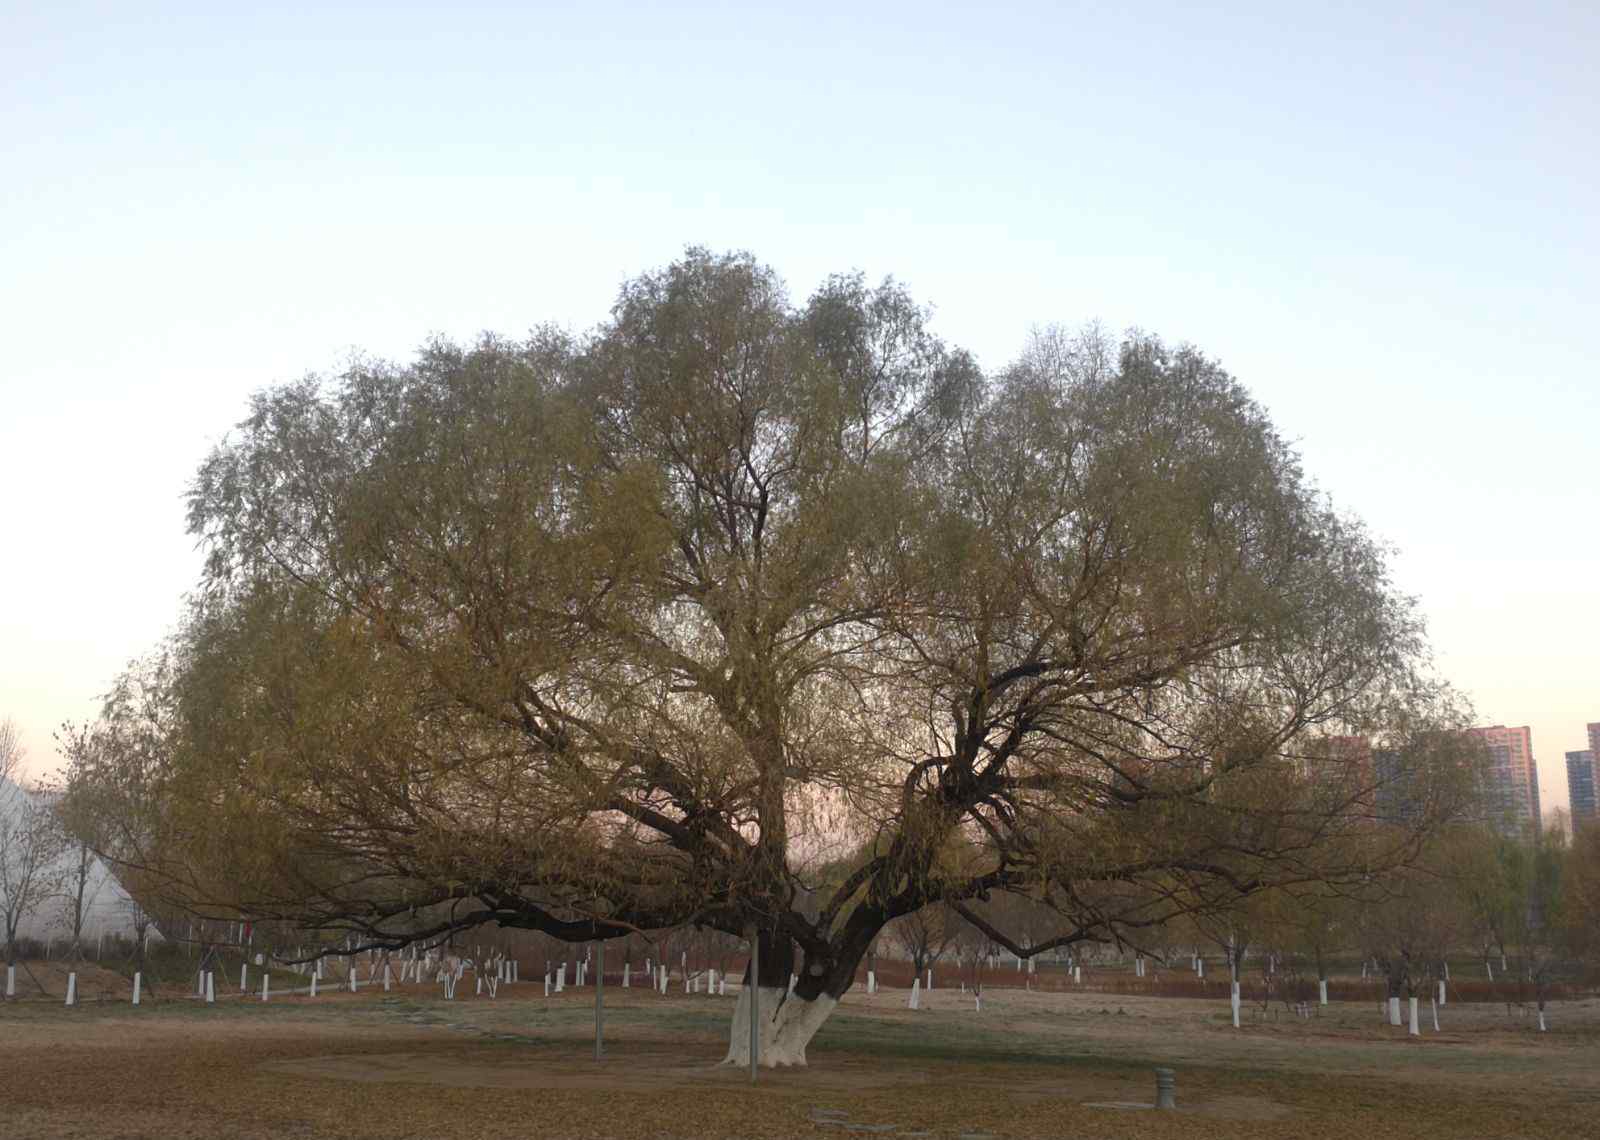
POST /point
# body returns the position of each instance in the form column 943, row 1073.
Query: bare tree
column 30, row 847
column 1407, row 928
column 925, row 936
column 82, row 831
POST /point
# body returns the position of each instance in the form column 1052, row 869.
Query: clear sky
column 1382, row 219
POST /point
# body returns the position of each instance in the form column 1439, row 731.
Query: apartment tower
column 1581, row 784
column 1513, row 783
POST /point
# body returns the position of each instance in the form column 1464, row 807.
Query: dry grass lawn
column 407, row 1064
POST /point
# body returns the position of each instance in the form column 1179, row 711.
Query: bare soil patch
column 407, row 1064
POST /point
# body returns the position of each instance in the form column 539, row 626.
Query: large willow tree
column 776, row 619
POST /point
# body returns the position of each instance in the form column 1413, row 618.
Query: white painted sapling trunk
column 1394, row 1011
column 11, row 981
column 916, row 994
column 1414, row 1029
column 137, row 979
column 787, row 1025
column 211, row 987
column 627, row 971
column 1541, row 1022
column 72, row 989
column 266, row 986
column 1233, row 1001
column 1441, row 993
column 1435, row 1006
column 872, row 982
column 1322, row 991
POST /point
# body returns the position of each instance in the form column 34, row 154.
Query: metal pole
column 755, row 1002
column 599, row 999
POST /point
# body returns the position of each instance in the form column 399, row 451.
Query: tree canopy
column 649, row 626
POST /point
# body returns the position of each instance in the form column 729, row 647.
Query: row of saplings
column 235, row 963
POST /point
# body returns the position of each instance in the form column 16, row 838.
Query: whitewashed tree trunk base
column 787, row 1025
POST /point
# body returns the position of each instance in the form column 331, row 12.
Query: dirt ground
column 408, row 1064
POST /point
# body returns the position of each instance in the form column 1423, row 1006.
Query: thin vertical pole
column 755, row 1002
column 599, row 999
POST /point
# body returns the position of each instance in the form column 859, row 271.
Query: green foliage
column 735, row 599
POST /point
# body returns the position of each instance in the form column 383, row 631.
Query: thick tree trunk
column 787, row 1025
column 789, row 1017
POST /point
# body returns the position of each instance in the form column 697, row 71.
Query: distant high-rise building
column 1379, row 783
column 1341, row 768
column 1513, row 777
column 1581, row 783
column 1396, row 794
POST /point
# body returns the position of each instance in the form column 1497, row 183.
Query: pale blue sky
column 1382, row 219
